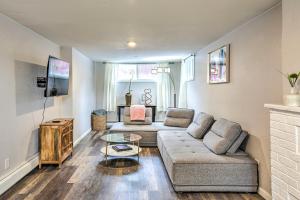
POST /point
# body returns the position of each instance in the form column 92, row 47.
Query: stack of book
column 121, row 147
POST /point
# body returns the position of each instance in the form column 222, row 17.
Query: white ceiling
column 161, row 28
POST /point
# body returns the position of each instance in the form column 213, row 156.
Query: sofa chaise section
column 193, row 167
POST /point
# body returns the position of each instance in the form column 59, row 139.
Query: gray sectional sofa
column 200, row 154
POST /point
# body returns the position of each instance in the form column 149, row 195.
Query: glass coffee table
column 112, row 139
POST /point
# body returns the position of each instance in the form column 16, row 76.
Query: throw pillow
column 199, row 127
column 222, row 135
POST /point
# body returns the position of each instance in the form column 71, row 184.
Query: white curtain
column 187, row 74
column 109, row 98
column 163, row 90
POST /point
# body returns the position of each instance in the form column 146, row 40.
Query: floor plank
column 84, row 177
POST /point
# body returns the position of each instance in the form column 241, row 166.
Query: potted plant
column 293, row 78
column 292, row 99
column 128, row 94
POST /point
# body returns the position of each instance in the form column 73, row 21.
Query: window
column 136, row 72
column 126, row 72
column 189, row 65
column 145, row 71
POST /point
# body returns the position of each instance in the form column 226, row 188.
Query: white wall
column 23, row 55
column 137, row 89
column 67, row 101
column 255, row 54
column 81, row 100
column 84, row 92
column 290, row 39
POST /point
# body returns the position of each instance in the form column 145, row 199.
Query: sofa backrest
column 148, row 117
column 222, row 135
column 179, row 117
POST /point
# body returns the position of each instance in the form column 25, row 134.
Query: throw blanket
column 137, row 113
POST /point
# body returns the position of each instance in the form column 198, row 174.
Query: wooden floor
column 84, row 177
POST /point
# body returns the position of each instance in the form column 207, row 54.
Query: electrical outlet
column 6, row 163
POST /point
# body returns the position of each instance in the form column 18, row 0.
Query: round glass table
column 113, row 139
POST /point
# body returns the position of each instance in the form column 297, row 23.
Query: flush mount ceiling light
column 131, row 44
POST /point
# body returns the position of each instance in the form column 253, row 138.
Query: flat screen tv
column 58, row 72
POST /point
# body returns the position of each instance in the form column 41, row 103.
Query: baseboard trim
column 7, row 181
column 266, row 195
column 82, row 136
column 17, row 174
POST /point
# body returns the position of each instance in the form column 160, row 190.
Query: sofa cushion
column 179, row 117
column 199, row 127
column 148, row 117
column 222, row 135
column 177, row 122
column 180, row 113
column 237, row 143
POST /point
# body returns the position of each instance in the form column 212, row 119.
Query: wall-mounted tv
column 58, row 73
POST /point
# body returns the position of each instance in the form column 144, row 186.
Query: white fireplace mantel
column 285, row 151
column 283, row 108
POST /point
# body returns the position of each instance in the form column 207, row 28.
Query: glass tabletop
column 121, row 137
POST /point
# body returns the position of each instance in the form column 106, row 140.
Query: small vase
column 292, row 99
column 294, row 90
column 128, row 99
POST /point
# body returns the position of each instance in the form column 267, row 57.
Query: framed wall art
column 219, row 65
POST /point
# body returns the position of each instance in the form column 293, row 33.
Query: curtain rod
column 189, row 56
column 151, row 63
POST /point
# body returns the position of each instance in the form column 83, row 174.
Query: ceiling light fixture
column 131, row 44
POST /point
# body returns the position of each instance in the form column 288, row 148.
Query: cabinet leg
column 40, row 165
column 59, row 166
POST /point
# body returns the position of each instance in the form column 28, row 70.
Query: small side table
column 153, row 107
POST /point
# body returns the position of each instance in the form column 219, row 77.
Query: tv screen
column 58, row 72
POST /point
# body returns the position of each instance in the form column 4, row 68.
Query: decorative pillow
column 199, row 127
column 222, row 135
column 180, row 113
column 236, row 145
column 177, row 122
column 148, row 118
column 179, row 117
column 148, row 112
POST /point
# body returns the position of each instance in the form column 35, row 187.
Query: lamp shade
column 161, row 70
column 167, row 70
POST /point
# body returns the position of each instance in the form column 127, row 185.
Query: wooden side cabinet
column 56, row 141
